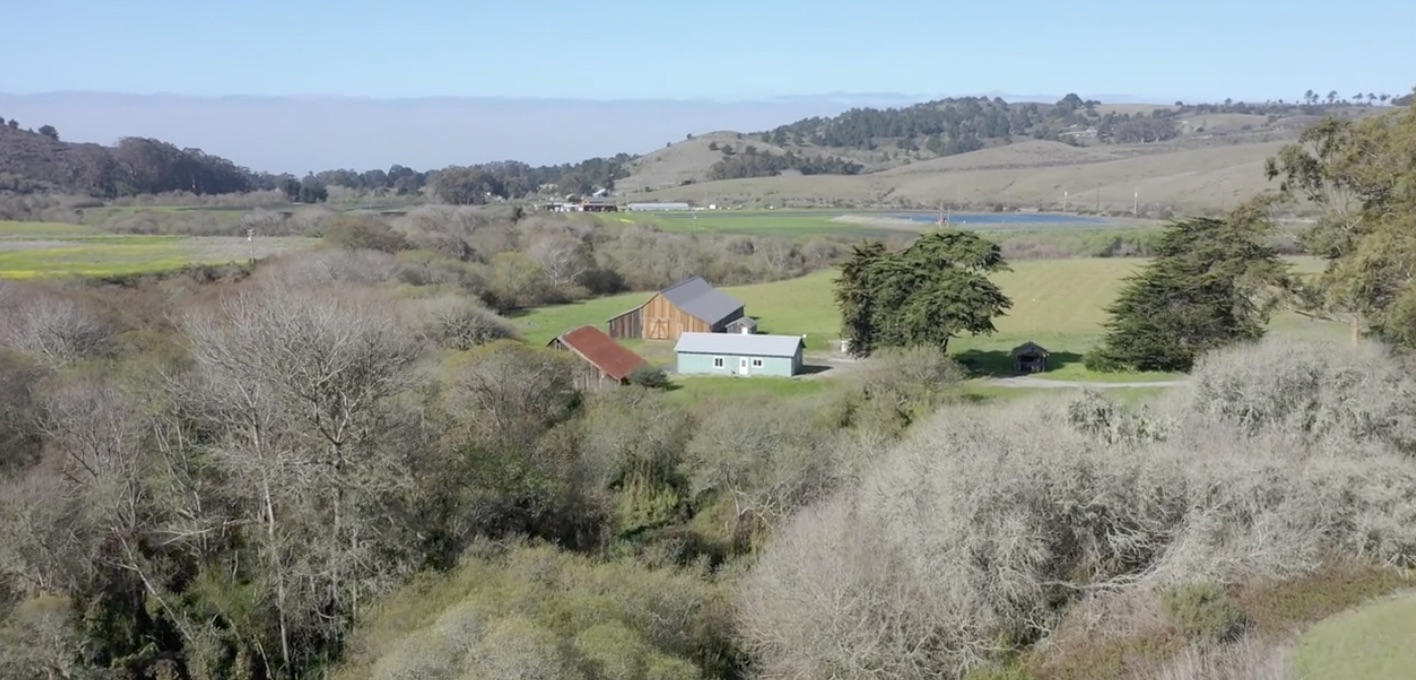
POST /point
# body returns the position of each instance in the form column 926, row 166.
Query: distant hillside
column 869, row 140
column 1038, row 175
column 881, row 153
column 37, row 160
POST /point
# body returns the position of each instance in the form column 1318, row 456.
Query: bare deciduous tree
column 298, row 382
column 770, row 462
column 19, row 433
column 509, row 392
column 563, row 257
column 56, row 329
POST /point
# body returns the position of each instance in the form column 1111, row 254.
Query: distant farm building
column 598, row 205
column 689, row 306
column 605, row 362
column 1029, row 357
column 649, row 207
column 739, row 354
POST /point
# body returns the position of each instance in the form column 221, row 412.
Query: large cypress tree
column 1209, row 285
column 926, row 294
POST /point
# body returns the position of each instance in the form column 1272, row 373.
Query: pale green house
column 739, row 354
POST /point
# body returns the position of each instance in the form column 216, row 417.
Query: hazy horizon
column 427, row 83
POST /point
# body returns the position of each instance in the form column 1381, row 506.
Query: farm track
column 836, row 365
column 1031, row 382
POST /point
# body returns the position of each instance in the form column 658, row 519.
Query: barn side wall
column 664, row 321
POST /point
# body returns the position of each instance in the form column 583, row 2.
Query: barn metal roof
column 602, row 351
column 739, row 344
column 703, row 301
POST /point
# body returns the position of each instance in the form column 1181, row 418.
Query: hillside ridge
column 876, row 154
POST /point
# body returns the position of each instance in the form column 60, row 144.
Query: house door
column 742, row 366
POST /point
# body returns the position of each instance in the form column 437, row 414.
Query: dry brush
column 971, row 538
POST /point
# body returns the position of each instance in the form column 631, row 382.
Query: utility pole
column 251, row 241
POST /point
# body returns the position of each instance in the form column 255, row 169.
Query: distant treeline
column 754, row 163
column 37, row 161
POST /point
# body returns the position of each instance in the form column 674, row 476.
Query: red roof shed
column 608, row 357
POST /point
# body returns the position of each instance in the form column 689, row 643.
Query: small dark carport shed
column 1029, row 357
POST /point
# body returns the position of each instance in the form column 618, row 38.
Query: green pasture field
column 10, row 229
column 1060, row 304
column 804, row 224
column 56, row 255
column 1373, row 642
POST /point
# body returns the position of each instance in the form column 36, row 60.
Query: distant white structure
column 648, row 207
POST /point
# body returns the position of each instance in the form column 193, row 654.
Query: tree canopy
column 923, row 295
column 1362, row 174
column 1211, row 284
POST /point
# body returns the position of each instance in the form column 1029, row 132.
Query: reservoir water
column 1003, row 219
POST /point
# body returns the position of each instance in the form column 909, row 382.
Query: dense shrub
column 1321, row 389
column 973, row 536
column 459, row 323
column 535, row 612
column 321, row 267
column 363, row 232
column 649, row 376
column 1203, row 611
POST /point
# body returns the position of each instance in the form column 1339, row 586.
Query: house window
column 757, row 363
column 717, row 362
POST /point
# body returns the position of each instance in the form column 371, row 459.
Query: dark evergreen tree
column 924, row 295
column 1210, row 285
column 853, row 296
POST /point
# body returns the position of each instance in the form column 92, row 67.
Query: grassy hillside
column 1030, row 176
column 1179, row 159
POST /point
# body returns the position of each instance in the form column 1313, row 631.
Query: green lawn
column 1374, row 642
column 1060, row 304
column 37, row 257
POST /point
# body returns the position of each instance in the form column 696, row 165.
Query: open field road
column 1032, row 382
column 836, row 365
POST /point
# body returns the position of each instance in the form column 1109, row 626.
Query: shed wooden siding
column 628, row 325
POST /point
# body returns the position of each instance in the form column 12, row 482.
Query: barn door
column 658, row 329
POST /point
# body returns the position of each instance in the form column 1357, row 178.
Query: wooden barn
column 689, row 306
column 605, row 362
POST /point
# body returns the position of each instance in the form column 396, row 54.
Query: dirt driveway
column 835, row 364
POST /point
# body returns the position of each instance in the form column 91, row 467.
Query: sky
column 726, row 49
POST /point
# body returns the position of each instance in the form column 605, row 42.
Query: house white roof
column 739, row 344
